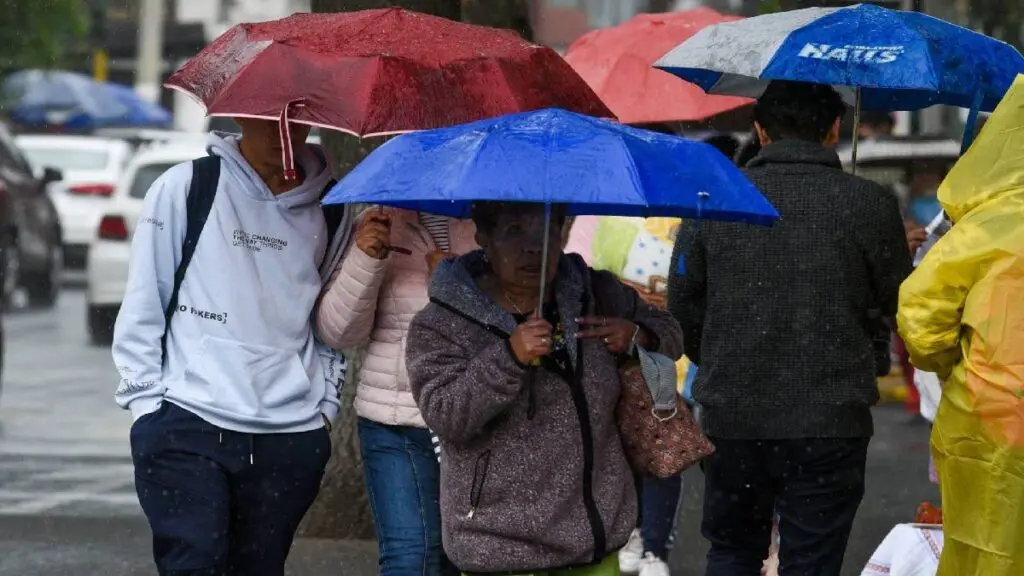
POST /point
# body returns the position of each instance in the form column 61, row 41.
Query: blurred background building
column 140, row 42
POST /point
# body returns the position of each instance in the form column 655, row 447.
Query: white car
column 90, row 168
column 107, row 265
column 140, row 138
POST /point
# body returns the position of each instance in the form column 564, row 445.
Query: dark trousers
column 221, row 502
column 815, row 486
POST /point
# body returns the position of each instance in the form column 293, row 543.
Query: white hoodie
column 240, row 349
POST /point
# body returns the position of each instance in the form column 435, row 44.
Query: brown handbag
column 660, row 443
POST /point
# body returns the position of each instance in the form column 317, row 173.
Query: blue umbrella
column 553, row 156
column 75, row 102
column 898, row 60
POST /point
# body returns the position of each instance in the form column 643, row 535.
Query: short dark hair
column 660, row 127
column 798, row 110
column 725, row 143
column 485, row 215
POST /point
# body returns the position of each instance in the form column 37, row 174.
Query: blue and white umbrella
column 897, row 60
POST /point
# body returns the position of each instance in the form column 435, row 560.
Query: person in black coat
column 777, row 318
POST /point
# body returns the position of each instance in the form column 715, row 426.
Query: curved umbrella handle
column 284, row 129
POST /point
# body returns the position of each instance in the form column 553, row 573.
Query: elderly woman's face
column 515, row 246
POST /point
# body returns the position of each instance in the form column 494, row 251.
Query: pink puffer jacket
column 370, row 301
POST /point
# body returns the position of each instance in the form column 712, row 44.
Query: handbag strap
column 661, row 378
column 659, row 371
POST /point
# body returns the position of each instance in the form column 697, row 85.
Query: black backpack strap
column 201, row 192
column 333, row 213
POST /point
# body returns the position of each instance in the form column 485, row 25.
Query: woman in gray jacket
column 533, row 476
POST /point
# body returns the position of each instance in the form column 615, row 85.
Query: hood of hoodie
column 993, row 167
column 310, row 157
column 454, row 285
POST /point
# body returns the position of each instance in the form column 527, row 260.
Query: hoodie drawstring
column 252, row 445
column 287, row 153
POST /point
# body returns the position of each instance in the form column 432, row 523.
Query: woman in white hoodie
column 231, row 395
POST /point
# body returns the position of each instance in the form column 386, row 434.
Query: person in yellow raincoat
column 961, row 315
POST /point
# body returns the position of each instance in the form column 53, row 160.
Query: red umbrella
column 617, row 63
column 378, row 72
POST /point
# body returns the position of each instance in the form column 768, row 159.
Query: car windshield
column 145, row 176
column 67, row 158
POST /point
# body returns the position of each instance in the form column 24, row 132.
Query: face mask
column 924, row 209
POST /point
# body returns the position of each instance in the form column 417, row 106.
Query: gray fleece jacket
column 526, row 489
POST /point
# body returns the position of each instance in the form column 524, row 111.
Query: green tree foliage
column 1003, row 19
column 40, row 33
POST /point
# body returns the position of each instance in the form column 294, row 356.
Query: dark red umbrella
column 378, row 72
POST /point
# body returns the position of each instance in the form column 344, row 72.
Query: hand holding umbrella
column 531, row 340
column 373, row 235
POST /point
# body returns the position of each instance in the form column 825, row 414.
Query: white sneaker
column 651, row 565
column 632, row 554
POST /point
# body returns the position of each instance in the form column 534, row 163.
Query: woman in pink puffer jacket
column 370, row 300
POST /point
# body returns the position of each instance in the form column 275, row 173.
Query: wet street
column 67, row 505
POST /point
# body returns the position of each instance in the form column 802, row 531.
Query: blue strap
column 702, row 197
column 201, row 192
column 972, row 122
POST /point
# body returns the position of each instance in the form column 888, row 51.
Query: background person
column 777, row 319
column 962, row 316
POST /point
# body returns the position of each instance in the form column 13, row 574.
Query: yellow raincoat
column 961, row 315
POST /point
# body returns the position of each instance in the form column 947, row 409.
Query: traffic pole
column 98, row 37
column 149, row 58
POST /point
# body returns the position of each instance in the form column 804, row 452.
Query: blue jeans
column 403, row 480
column 221, row 502
column 659, row 507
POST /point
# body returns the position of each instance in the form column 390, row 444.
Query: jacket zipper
column 476, row 489
column 579, row 399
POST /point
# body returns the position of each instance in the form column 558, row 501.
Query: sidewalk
column 71, row 546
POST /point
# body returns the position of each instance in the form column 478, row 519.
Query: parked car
column 30, row 230
column 91, row 168
column 139, row 138
column 107, row 261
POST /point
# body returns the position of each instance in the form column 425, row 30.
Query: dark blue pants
column 659, row 507
column 403, row 480
column 220, row 502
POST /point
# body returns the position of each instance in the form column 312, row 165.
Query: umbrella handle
column 856, row 128
column 398, row 249
column 285, row 131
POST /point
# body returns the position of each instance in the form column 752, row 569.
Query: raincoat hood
column 310, row 157
column 993, row 167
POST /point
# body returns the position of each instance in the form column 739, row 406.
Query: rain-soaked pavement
column 67, row 505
